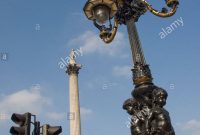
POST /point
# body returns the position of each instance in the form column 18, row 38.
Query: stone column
column 75, row 121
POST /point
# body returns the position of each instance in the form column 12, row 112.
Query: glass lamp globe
column 101, row 13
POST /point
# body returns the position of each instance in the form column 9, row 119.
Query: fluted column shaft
column 141, row 71
column 137, row 53
column 75, row 120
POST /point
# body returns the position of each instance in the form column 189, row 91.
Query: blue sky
column 37, row 34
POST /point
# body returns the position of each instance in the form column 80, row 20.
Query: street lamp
column 146, row 105
column 122, row 11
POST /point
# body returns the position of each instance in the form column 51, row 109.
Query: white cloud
column 124, row 71
column 31, row 100
column 192, row 124
column 63, row 115
column 90, row 43
column 85, row 111
column 56, row 115
column 27, row 100
column 191, row 127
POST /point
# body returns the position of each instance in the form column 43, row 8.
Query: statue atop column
column 72, row 57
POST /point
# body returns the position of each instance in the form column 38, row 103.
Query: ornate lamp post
column 148, row 117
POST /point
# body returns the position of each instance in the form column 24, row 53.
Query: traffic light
column 24, row 121
column 36, row 128
column 51, row 130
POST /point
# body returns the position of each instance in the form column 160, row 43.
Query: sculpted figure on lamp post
column 149, row 119
column 158, row 121
column 133, row 107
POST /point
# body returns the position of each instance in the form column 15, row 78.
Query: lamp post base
column 148, row 117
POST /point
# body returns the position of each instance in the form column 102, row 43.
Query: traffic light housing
column 24, row 122
column 51, row 130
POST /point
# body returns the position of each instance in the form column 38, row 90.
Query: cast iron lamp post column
column 146, row 105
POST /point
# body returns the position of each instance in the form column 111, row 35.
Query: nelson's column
column 74, row 114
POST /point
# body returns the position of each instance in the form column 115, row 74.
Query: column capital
column 73, row 69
